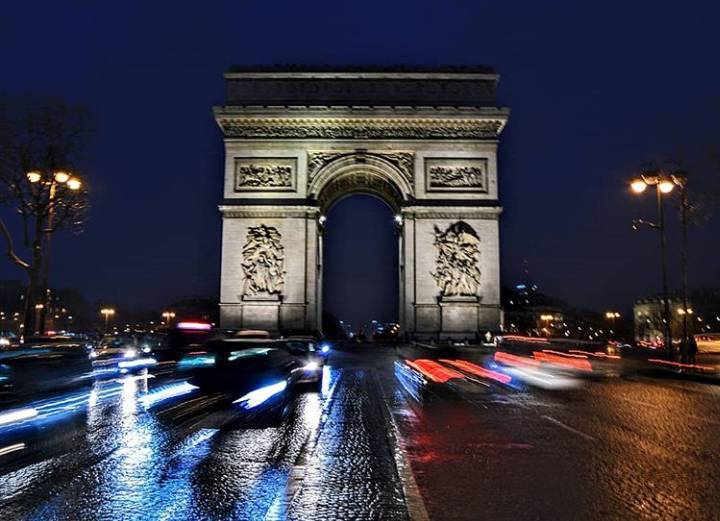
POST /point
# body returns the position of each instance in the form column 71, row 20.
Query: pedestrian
column 692, row 349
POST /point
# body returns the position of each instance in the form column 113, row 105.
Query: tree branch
column 10, row 250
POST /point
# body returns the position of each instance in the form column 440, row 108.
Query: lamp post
column 168, row 316
column 663, row 185
column 680, row 180
column 612, row 316
column 107, row 313
column 53, row 181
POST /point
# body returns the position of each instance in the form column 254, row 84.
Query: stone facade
column 288, row 163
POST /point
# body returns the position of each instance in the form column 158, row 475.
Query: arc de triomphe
column 424, row 142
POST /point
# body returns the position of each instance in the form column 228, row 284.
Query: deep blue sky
column 594, row 92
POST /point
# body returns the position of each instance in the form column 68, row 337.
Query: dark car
column 260, row 374
column 187, row 338
column 309, row 334
column 308, row 353
column 44, row 364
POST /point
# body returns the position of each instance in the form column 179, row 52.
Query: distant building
column 702, row 315
column 648, row 319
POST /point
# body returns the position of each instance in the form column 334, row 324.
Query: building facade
column 425, row 142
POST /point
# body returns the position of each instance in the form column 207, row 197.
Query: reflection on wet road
column 496, row 436
column 140, row 447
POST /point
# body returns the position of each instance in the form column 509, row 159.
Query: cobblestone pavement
column 331, row 458
column 365, row 448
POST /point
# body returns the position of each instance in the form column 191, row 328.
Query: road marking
column 568, row 428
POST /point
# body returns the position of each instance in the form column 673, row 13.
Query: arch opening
column 360, row 264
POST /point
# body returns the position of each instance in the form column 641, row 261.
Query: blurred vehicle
column 307, row 352
column 257, row 334
column 43, row 364
column 262, row 372
column 309, row 334
column 125, row 351
column 7, row 338
column 186, row 338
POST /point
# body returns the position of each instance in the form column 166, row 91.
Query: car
column 44, row 364
column 260, row 374
column 309, row 334
column 186, row 338
column 308, row 353
column 124, row 351
column 7, row 339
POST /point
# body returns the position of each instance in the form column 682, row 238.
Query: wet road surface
column 365, row 448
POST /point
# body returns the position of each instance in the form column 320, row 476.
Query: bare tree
column 41, row 141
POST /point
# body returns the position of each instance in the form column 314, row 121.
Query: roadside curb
column 413, row 499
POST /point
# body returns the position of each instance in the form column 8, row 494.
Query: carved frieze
column 451, row 174
column 265, row 174
column 263, row 262
column 402, row 161
column 456, row 266
column 335, row 128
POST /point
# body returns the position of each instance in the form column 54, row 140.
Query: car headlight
column 311, row 366
column 146, row 349
column 130, row 353
column 325, row 348
column 4, row 342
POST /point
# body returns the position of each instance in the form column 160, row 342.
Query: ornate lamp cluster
column 60, row 177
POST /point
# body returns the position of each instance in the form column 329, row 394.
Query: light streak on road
column 11, row 448
column 18, row 415
column 165, row 393
column 477, row 370
column 564, row 360
column 261, row 395
column 434, row 371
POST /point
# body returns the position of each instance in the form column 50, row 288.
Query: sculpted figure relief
column 456, row 177
column 263, row 261
column 264, row 175
column 458, row 252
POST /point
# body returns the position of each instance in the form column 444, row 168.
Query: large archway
column 360, row 275
column 297, row 143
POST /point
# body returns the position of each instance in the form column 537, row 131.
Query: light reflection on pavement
column 143, row 447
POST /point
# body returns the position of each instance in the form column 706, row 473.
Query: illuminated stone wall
column 436, row 166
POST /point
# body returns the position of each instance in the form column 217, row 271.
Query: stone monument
column 424, row 141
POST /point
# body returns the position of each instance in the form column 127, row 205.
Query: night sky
column 594, row 91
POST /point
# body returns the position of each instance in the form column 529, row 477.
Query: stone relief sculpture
column 464, row 176
column 265, row 173
column 360, row 129
column 264, row 176
column 448, row 174
column 263, row 262
column 403, row 161
column 458, row 253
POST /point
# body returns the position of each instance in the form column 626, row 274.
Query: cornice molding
column 360, row 128
column 270, row 212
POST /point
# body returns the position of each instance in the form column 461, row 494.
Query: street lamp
column 168, row 316
column 52, row 181
column 612, row 316
column 663, row 184
column 107, row 313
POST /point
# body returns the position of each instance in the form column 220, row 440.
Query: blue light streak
column 140, row 362
column 165, row 393
column 261, row 395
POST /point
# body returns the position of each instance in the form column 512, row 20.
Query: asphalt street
column 611, row 446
